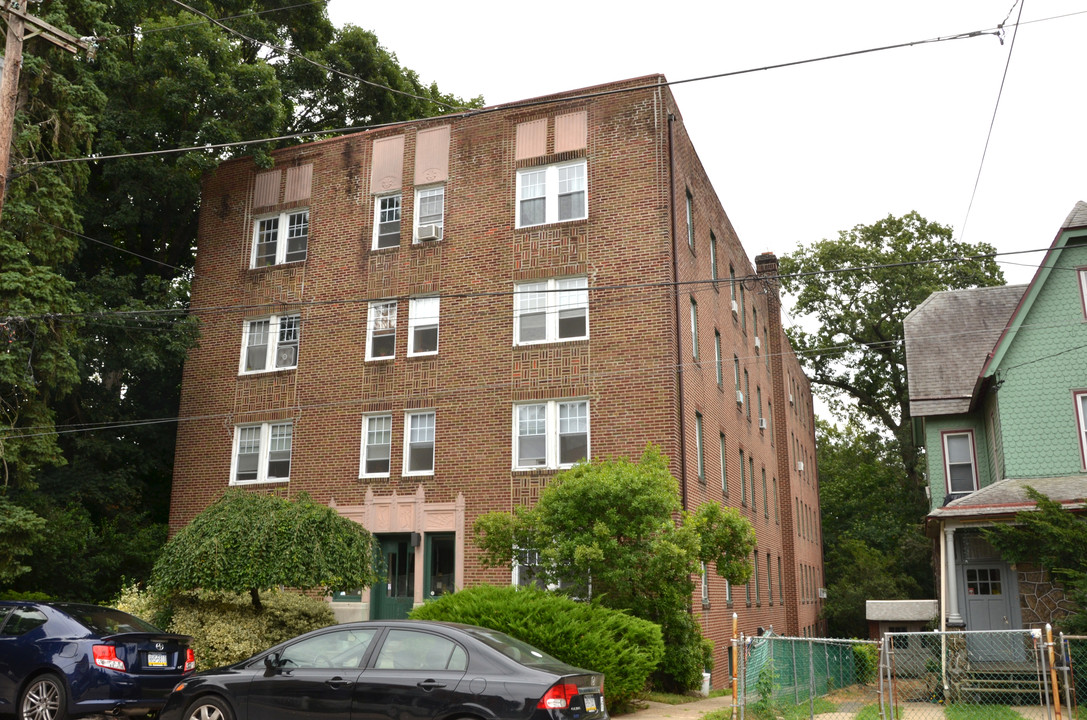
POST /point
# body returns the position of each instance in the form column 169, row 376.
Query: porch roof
column 1009, row 496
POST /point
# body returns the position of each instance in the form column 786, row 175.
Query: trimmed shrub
column 625, row 648
column 225, row 627
column 865, row 662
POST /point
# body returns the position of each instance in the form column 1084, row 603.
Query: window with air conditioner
column 270, row 343
column 551, row 193
column 551, row 311
column 386, row 221
column 262, row 453
column 550, row 434
column 429, row 213
column 280, row 238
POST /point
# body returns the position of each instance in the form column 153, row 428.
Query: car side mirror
column 272, row 661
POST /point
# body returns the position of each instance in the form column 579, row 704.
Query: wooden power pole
column 18, row 21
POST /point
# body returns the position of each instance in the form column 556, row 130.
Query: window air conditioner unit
column 758, row 343
column 739, row 397
column 800, row 466
column 429, row 232
column 735, row 308
column 791, row 401
column 822, row 593
column 762, row 423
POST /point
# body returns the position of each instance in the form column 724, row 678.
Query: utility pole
column 17, row 21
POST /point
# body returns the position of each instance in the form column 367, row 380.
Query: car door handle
column 429, row 685
column 336, row 683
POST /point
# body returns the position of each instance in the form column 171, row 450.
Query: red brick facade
column 635, row 365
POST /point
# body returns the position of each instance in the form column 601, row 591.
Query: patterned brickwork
column 637, row 368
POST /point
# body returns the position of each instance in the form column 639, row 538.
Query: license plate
column 156, row 660
column 590, row 703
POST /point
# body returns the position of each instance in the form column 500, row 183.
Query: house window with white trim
column 423, row 325
column 281, row 238
column 386, row 221
column 1081, row 416
column 1083, row 289
column 700, row 447
column 724, row 475
column 262, row 453
column 690, row 220
column 377, row 439
column 429, row 213
column 381, row 330
column 551, row 310
column 551, row 193
column 713, row 258
column 718, row 362
column 270, row 343
column 550, row 434
column 960, row 462
column 705, row 586
column 694, row 329
column 419, row 443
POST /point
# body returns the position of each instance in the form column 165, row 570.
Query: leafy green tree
column 874, row 548
column 248, row 542
column 19, row 528
column 1051, row 537
column 857, row 290
column 96, row 258
column 612, row 531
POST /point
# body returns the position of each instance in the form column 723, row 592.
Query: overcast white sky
column 798, row 154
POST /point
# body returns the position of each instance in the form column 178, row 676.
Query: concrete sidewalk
column 687, row 711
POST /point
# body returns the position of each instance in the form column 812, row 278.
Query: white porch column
column 953, row 616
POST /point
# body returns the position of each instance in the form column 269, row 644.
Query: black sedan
column 59, row 660
column 393, row 670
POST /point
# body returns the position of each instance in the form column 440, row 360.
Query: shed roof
column 901, row 610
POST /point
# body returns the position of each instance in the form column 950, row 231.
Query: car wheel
column 43, row 699
column 209, row 708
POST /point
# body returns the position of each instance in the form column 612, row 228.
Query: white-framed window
column 386, row 221
column 262, row 453
column 1081, row 417
column 381, row 330
column 705, row 585
column 724, row 475
column 1082, row 273
column 694, row 329
column 550, row 434
column 690, row 220
column 270, row 343
column 551, row 310
column 960, row 461
column 419, row 443
column 700, row 447
column 429, row 213
column 717, row 358
column 377, row 439
column 280, row 238
column 713, row 257
column 551, row 193
column 423, row 325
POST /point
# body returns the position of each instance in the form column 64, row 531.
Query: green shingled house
column 998, row 392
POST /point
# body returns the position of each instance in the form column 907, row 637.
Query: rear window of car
column 22, row 621
column 107, row 621
column 513, row 648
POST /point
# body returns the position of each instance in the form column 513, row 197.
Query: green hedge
column 625, row 648
column 865, row 663
column 225, row 627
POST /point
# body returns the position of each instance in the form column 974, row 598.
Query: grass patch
column 682, row 698
column 790, row 712
column 980, row 712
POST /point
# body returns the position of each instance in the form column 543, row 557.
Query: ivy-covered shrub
column 865, row 662
column 226, row 627
column 625, row 649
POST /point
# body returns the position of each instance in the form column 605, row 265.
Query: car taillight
column 190, row 660
column 558, row 697
column 106, row 656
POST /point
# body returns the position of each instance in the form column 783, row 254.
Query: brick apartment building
column 422, row 323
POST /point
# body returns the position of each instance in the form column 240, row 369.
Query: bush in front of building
column 865, row 662
column 624, row 648
column 225, row 627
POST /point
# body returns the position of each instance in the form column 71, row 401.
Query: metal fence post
column 811, row 679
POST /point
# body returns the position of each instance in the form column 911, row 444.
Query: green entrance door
column 394, row 598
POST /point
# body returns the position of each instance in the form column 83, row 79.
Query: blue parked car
column 59, row 660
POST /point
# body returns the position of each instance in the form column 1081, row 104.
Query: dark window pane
column 532, row 211
column 572, row 206
column 426, row 339
column 383, row 346
column 533, row 327
column 531, row 450
column 572, row 323
column 573, row 448
column 421, row 457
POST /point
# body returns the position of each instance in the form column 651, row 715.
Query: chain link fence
column 977, row 675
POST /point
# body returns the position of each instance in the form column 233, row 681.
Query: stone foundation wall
column 1040, row 600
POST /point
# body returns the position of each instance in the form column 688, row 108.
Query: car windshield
column 107, row 621
column 513, row 648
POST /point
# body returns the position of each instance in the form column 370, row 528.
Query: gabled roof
column 1009, row 496
column 948, row 338
column 1076, row 219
